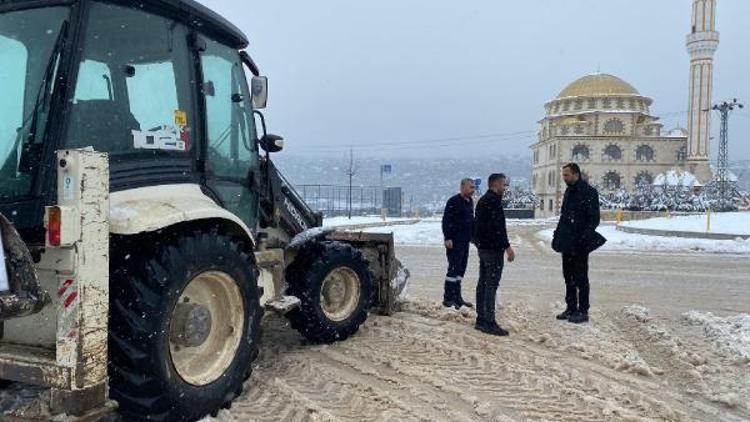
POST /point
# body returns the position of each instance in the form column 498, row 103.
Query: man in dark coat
column 458, row 226
column 575, row 238
column 491, row 239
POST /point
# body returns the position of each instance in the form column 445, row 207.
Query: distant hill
column 429, row 181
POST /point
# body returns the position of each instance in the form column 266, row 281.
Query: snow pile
column 730, row 335
column 308, row 235
column 728, row 223
column 400, row 282
column 676, row 177
column 620, row 241
column 428, row 232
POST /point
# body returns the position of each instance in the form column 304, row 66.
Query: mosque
column 604, row 124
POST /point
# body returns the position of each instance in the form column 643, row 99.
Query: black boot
column 449, row 295
column 459, row 299
column 565, row 315
column 579, row 317
column 490, row 328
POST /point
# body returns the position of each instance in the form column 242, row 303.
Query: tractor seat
column 104, row 125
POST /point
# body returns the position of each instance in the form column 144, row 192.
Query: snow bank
column 429, row 232
column 620, row 241
column 730, row 335
column 727, row 223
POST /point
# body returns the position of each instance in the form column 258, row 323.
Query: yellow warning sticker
column 180, row 118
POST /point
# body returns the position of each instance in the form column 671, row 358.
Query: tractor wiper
column 46, row 85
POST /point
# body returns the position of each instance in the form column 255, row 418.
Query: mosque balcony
column 702, row 45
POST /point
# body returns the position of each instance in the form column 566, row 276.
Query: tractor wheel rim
column 218, row 293
column 339, row 294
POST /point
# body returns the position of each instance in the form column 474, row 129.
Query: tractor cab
column 158, row 85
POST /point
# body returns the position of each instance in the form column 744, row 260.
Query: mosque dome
column 597, row 85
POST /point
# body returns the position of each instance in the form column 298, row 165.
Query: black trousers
column 458, row 258
column 490, row 272
column 576, row 274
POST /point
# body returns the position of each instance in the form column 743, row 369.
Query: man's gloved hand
column 448, row 244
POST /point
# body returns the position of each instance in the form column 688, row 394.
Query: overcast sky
column 422, row 77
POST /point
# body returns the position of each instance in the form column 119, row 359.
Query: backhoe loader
column 145, row 229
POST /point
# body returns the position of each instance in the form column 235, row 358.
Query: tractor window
column 11, row 102
column 95, row 82
column 149, row 110
column 231, row 135
column 133, row 95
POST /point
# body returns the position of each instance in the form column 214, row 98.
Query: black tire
column 146, row 282
column 305, row 277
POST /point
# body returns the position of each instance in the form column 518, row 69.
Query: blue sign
column 386, row 168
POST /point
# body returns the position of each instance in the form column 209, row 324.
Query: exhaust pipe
column 21, row 293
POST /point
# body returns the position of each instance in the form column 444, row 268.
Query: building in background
column 604, row 124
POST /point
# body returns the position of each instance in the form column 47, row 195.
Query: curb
column 683, row 234
column 378, row 224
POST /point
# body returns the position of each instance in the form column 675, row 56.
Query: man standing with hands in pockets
column 491, row 239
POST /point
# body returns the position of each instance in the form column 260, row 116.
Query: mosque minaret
column 702, row 43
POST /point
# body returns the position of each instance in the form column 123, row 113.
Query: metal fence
column 333, row 200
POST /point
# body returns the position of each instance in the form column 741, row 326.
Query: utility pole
column 722, row 176
column 350, row 170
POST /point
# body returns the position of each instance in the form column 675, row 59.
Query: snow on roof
column 677, row 177
column 677, row 132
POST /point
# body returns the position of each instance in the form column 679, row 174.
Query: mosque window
column 644, row 153
column 566, row 105
column 592, row 103
column 607, row 103
column 631, row 104
column 644, row 178
column 579, row 104
column 614, row 126
column 611, row 180
column 648, row 130
column 620, row 103
column 581, row 153
column 612, row 153
column 565, row 130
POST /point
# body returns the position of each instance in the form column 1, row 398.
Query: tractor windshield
column 30, row 43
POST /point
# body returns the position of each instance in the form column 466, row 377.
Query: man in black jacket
column 458, row 225
column 576, row 237
column 491, row 239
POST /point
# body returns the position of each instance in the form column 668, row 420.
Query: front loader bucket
column 20, row 292
column 390, row 275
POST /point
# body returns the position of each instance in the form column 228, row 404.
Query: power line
column 432, row 143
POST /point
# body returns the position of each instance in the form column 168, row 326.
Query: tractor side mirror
column 259, row 86
column 271, row 143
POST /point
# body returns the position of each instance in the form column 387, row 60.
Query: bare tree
column 351, row 168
